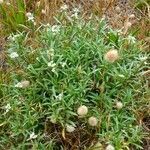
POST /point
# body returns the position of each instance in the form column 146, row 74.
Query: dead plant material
column 79, row 139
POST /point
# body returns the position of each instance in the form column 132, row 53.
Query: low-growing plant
column 82, row 84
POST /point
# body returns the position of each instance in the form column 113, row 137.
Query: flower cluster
column 14, row 55
column 64, row 7
column 22, row 84
column 7, row 108
column 55, row 28
column 52, row 65
column 30, row 17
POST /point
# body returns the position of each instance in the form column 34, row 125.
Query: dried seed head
column 132, row 16
column 111, row 56
column 119, row 105
column 110, row 147
column 1, row 1
column 25, row 84
column 117, row 9
column 70, row 128
column 92, row 121
column 82, row 110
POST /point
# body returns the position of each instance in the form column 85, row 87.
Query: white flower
column 131, row 39
column 53, row 69
column 7, row 108
column 63, row 64
column 55, row 28
column 75, row 15
column 143, row 58
column 64, row 7
column 13, row 37
column 110, row 147
column 32, row 136
column 76, row 10
column 50, row 52
column 14, row 55
column 51, row 64
column 22, row 84
column 70, row 128
column 19, row 85
column 1, row 1
column 59, row 97
column 30, row 16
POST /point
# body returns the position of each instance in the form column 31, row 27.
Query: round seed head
column 132, row 16
column 92, row 121
column 117, row 9
column 119, row 105
column 82, row 110
column 111, row 56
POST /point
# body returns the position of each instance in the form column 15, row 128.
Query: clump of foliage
column 80, row 84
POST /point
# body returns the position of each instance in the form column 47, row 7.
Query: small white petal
column 64, row 7
column 32, row 136
column 59, row 97
column 55, row 28
column 14, row 55
column 7, row 108
column 63, row 64
column 30, row 16
column 19, row 85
